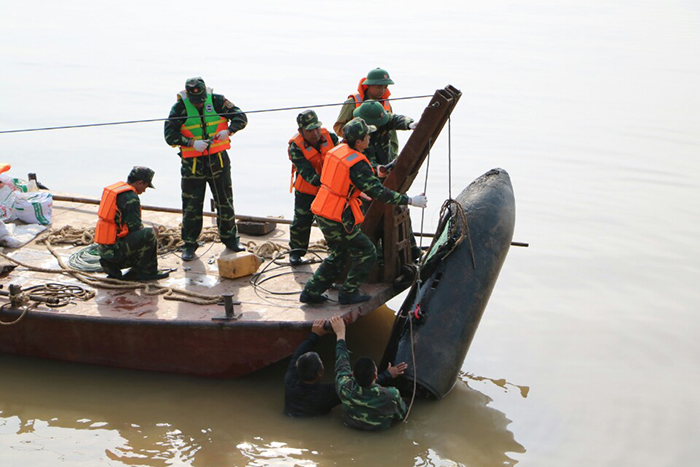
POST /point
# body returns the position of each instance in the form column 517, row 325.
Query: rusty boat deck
column 133, row 329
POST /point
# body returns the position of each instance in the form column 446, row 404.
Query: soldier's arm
column 400, row 408
column 172, row 125
column 344, row 381
column 365, row 181
column 304, row 347
column 237, row 119
column 303, row 166
column 344, row 117
column 399, row 122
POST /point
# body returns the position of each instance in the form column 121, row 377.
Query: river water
column 588, row 351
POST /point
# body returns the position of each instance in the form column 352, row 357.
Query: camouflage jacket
column 346, row 115
column 302, row 164
column 178, row 115
column 371, row 408
column 381, row 149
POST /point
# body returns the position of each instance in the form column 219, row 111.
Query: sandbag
column 33, row 207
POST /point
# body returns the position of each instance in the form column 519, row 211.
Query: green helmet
column 372, row 112
column 378, row 76
column 196, row 90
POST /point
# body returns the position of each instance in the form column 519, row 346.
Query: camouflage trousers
column 138, row 250
column 214, row 170
column 354, row 249
column 300, row 230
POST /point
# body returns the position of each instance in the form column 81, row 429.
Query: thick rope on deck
column 169, row 238
column 169, row 293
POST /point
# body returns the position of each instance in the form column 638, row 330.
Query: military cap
column 378, row 76
column 357, row 129
column 372, row 112
column 141, row 173
column 308, row 120
column 196, row 90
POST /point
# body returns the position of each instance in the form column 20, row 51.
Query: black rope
column 449, row 156
column 229, row 114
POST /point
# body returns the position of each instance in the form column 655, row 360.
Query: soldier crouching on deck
column 307, row 151
column 200, row 123
column 346, row 174
column 122, row 239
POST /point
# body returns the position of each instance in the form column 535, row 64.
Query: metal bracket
column 229, row 309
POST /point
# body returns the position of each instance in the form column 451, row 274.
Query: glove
column 222, row 135
column 419, row 201
column 200, row 145
column 412, row 125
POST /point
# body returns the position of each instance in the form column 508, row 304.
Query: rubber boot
column 355, row 297
column 306, row 297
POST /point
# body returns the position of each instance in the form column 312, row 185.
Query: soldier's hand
column 222, row 135
column 382, row 171
column 338, row 326
column 398, row 370
column 365, row 197
column 318, row 327
column 412, row 125
column 419, row 201
column 200, row 145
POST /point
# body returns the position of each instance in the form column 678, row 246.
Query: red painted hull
column 220, row 350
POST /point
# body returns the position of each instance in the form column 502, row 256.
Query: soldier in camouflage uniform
column 313, row 137
column 346, row 242
column 374, row 86
column 209, row 165
column 139, row 247
column 366, row 405
column 381, row 150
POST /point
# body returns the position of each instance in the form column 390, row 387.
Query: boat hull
column 219, row 350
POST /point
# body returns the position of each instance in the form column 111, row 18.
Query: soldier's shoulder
column 129, row 196
column 221, row 102
column 178, row 107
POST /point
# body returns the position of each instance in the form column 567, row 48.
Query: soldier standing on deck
column 200, row 123
column 346, row 174
column 307, row 151
column 122, row 239
column 375, row 86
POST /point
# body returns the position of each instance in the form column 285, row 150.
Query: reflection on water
column 61, row 412
column 501, row 383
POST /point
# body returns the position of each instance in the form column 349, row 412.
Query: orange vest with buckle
column 337, row 190
column 312, row 155
column 107, row 230
column 359, row 97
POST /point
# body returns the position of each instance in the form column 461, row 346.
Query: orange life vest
column 359, row 97
column 312, row 155
column 107, row 230
column 337, row 190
